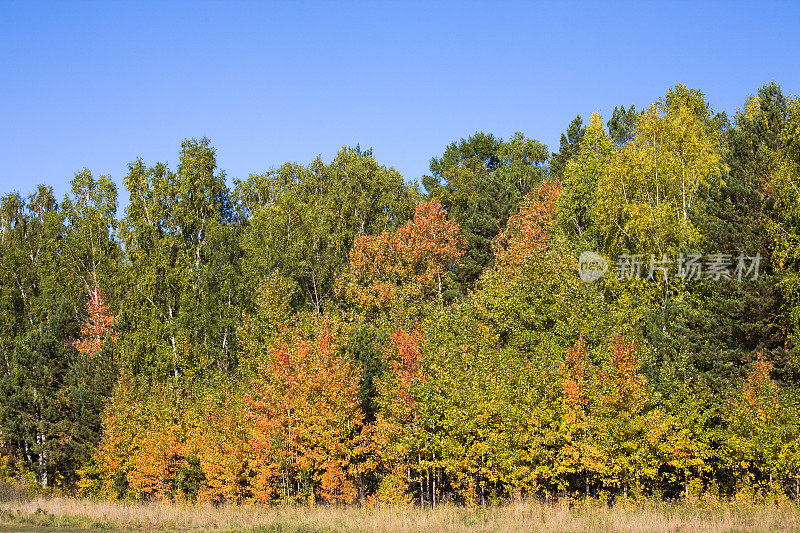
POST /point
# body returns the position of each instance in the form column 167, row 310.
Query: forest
column 333, row 332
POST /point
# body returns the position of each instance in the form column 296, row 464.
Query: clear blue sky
column 97, row 84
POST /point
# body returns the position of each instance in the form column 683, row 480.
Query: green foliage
column 35, row 412
column 305, row 218
column 481, row 181
column 91, row 248
column 327, row 333
column 365, row 346
column 622, row 124
column 583, row 172
column 50, row 395
column 569, row 146
column 188, row 481
column 184, row 262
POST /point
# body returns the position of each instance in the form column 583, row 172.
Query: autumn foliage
column 99, row 327
column 406, row 266
column 760, row 392
column 306, row 420
column 529, row 230
column 330, row 334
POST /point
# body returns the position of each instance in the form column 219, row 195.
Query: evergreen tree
column 481, row 181
column 569, row 146
column 621, row 124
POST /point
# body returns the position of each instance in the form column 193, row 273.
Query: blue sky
column 98, row 84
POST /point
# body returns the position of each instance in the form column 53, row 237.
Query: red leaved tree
column 98, row 327
column 528, row 231
column 406, row 266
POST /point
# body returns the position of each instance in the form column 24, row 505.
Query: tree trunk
column 421, row 490
column 686, row 484
column 433, row 492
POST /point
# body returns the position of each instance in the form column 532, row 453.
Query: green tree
column 621, row 124
column 304, row 219
column 34, row 413
column 184, row 262
column 583, row 172
column 569, row 146
column 481, row 181
column 92, row 252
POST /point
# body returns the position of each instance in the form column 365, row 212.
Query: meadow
column 68, row 514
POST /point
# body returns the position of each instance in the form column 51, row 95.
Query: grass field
column 66, row 514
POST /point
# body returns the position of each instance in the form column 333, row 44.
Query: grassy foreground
column 66, row 514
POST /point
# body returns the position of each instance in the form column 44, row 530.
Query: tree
column 37, row 295
column 533, row 298
column 365, row 346
column 179, row 237
column 99, row 327
column 480, row 181
column 92, row 252
column 612, row 432
column 408, row 267
column 90, row 379
column 644, row 200
column 306, row 417
column 622, row 124
column 627, row 427
column 756, row 419
column 527, row 232
column 783, row 224
column 716, row 328
column 36, row 418
column 396, row 434
column 305, row 218
column 583, row 172
column 756, row 136
column 569, row 146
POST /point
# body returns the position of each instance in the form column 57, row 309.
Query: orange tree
column 307, row 425
column 762, row 441
column 401, row 270
column 396, row 433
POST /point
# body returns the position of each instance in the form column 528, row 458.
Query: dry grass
column 65, row 514
column 12, row 491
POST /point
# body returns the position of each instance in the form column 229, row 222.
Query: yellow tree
column 645, row 199
column 611, row 431
column 756, row 422
column 578, row 454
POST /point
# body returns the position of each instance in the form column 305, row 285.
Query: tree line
column 332, row 332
